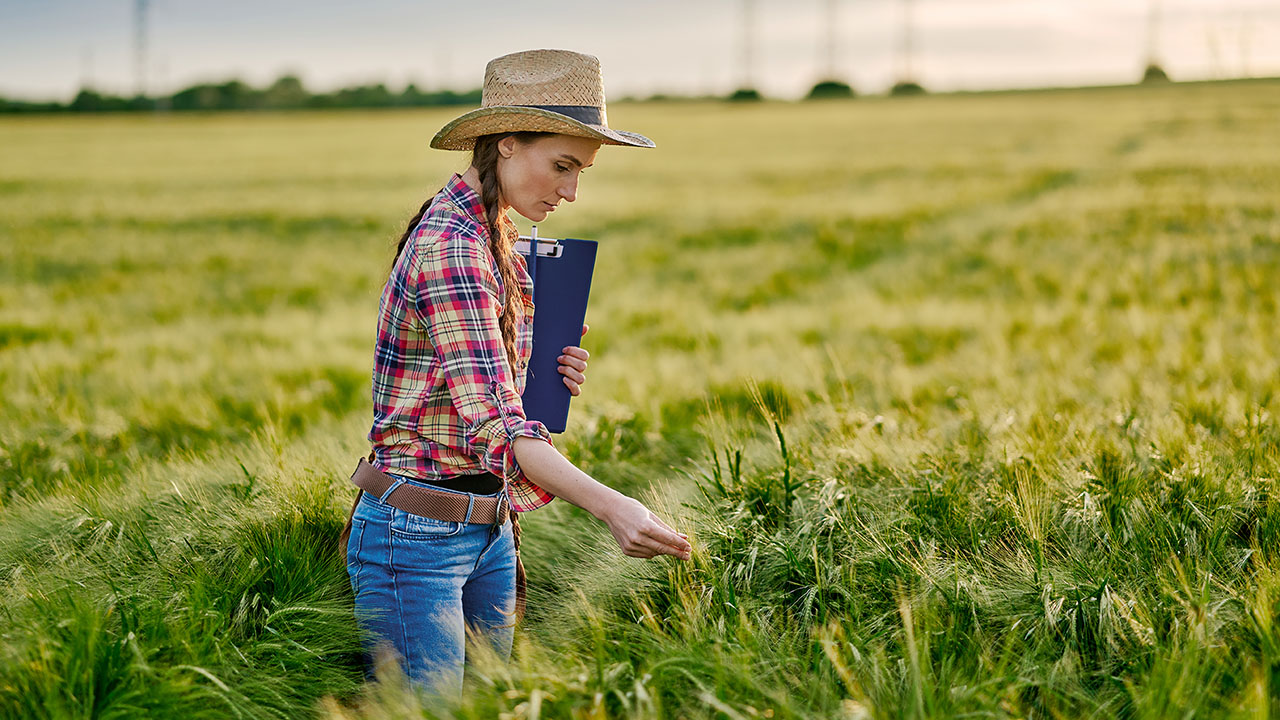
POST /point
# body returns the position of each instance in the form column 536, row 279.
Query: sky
column 51, row 48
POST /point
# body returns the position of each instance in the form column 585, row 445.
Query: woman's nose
column 569, row 190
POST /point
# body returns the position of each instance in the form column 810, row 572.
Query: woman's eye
column 562, row 168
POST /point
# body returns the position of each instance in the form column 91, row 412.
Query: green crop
column 968, row 403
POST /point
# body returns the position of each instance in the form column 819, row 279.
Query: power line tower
column 748, row 43
column 1154, row 71
column 907, row 83
column 829, row 85
column 1214, row 49
column 829, row 46
column 87, row 80
column 905, row 42
column 747, row 88
column 140, row 46
column 1246, row 43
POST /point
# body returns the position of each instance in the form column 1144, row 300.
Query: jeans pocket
column 406, row 524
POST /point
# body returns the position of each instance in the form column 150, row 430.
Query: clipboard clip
column 547, row 247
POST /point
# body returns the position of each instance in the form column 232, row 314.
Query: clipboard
column 561, row 273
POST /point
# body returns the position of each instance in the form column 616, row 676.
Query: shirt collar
column 468, row 200
column 459, row 193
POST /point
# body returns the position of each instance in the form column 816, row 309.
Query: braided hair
column 502, row 238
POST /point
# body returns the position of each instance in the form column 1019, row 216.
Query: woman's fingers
column 642, row 534
column 572, row 379
column 645, row 549
column 663, row 524
column 574, row 388
column 640, row 551
column 575, row 356
column 665, row 540
column 656, row 542
column 672, row 544
column 573, row 365
column 573, row 374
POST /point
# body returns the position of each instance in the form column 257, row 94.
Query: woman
column 454, row 337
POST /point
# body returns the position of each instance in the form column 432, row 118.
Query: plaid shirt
column 445, row 401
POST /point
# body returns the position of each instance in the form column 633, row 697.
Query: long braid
column 502, row 239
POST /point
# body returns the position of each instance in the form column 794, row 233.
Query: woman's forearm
column 638, row 531
column 551, row 471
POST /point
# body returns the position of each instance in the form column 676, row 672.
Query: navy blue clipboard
column 561, row 272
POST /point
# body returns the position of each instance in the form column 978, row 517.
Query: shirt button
column 523, row 364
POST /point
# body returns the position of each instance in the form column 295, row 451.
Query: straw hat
column 538, row 90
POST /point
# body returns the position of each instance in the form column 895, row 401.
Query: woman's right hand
column 642, row 534
column 639, row 532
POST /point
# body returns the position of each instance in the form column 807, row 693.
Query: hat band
column 587, row 114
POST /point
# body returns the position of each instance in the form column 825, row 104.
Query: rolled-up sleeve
column 457, row 301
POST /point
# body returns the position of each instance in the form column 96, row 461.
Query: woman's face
column 538, row 175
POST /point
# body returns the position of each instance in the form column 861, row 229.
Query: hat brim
column 461, row 133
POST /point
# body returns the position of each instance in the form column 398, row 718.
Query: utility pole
column 747, row 89
column 1153, row 33
column 907, row 84
column 1215, row 51
column 829, row 59
column 86, row 68
column 1154, row 72
column 140, row 47
column 904, row 63
column 829, row 84
column 162, row 81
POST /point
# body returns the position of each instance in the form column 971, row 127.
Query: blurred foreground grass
column 969, row 404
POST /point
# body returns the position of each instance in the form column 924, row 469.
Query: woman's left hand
column 573, row 366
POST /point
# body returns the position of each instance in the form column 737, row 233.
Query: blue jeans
column 418, row 580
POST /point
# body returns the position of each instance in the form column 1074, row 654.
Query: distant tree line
column 286, row 93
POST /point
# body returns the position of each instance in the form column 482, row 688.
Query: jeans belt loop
column 398, row 482
column 471, row 503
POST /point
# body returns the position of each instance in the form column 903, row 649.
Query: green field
column 968, row 403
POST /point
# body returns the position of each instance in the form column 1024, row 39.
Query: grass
column 968, row 404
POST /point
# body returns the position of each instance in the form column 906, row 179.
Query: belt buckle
column 504, row 508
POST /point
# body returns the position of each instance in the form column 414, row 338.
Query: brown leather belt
column 437, row 504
